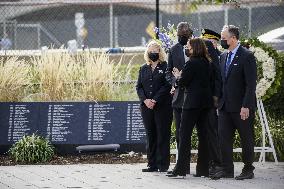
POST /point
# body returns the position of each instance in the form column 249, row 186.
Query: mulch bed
column 102, row 158
column 98, row 158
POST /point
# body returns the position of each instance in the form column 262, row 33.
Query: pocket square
column 235, row 64
column 161, row 71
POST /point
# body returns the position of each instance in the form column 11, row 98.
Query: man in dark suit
column 237, row 104
column 177, row 59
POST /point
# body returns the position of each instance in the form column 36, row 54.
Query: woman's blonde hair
column 162, row 54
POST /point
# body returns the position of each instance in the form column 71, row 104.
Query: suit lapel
column 181, row 54
column 234, row 61
column 222, row 64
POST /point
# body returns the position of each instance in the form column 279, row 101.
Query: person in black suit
column 177, row 59
column 212, row 132
column 154, row 93
column 195, row 77
column 237, row 104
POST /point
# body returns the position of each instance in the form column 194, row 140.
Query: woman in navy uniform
column 212, row 128
column 195, row 77
column 212, row 36
column 154, row 93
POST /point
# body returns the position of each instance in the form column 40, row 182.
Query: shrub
column 32, row 149
column 277, row 137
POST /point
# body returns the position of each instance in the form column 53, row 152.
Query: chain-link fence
column 26, row 24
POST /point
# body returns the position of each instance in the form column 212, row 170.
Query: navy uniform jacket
column 153, row 85
column 196, row 79
column 216, row 80
column 240, row 84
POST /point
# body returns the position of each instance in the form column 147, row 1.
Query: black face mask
column 224, row 44
column 153, row 56
column 182, row 40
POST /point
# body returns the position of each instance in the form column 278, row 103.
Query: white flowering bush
column 269, row 67
column 268, row 70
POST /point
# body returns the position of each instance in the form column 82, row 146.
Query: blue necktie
column 228, row 62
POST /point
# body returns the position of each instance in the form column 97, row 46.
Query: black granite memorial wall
column 73, row 123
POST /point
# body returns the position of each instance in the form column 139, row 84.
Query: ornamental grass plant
column 60, row 76
column 14, row 79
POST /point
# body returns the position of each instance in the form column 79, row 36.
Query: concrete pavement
column 113, row 176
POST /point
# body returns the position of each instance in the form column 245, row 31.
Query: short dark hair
column 233, row 30
column 184, row 26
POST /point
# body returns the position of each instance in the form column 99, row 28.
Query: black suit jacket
column 195, row 78
column 239, row 86
column 176, row 59
column 216, row 80
column 153, row 85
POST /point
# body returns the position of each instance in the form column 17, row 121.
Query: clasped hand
column 150, row 103
column 244, row 113
column 176, row 72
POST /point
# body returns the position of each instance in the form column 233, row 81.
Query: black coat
column 153, row 85
column 176, row 59
column 240, row 84
column 216, row 80
column 196, row 79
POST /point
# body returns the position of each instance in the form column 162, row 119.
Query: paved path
column 112, row 176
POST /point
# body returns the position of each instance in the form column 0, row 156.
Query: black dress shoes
column 175, row 174
column 187, row 172
column 169, row 172
column 163, row 170
column 200, row 175
column 245, row 175
column 247, row 172
column 221, row 173
column 212, row 170
column 150, row 169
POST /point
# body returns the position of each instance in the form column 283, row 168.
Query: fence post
column 249, row 24
column 111, row 25
column 199, row 22
column 157, row 17
column 116, row 32
column 226, row 19
column 15, row 34
column 38, row 36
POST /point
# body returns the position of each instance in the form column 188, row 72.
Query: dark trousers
column 229, row 122
column 177, row 118
column 189, row 119
column 157, row 124
column 213, row 140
